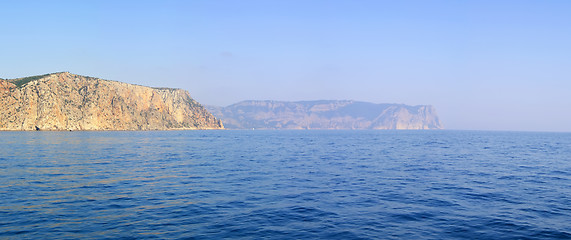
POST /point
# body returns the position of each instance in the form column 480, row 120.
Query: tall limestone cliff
column 65, row 101
column 326, row 115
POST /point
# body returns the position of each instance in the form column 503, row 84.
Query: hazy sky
column 485, row 65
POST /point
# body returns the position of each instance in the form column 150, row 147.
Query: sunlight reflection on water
column 285, row 184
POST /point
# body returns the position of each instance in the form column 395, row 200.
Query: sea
column 285, row 184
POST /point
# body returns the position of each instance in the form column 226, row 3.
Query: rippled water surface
column 285, row 185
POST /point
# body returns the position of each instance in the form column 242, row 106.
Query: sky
column 484, row 65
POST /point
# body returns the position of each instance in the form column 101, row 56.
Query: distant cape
column 325, row 114
column 64, row 101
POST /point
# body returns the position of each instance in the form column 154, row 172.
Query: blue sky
column 484, row 65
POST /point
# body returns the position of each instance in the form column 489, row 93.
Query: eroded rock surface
column 65, row 101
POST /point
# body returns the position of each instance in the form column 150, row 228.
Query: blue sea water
column 285, row 185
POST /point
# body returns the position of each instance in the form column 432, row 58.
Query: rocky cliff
column 326, row 115
column 65, row 101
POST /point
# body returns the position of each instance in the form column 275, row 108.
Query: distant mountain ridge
column 325, row 114
column 64, row 101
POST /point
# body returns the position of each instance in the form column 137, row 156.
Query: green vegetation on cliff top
column 19, row 82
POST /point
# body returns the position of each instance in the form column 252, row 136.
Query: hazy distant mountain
column 325, row 115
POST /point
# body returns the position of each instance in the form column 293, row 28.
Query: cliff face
column 65, row 101
column 326, row 115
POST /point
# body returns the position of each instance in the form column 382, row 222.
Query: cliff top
column 320, row 102
column 20, row 82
